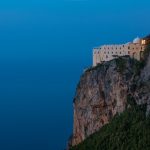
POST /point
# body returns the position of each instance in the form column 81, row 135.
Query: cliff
column 107, row 90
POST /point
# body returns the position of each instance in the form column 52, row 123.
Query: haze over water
column 44, row 47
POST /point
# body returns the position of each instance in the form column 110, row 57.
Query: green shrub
column 121, row 64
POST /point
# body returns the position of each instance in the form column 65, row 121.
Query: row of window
column 111, row 48
column 120, row 48
column 120, row 53
column 135, row 48
column 117, row 52
column 114, row 52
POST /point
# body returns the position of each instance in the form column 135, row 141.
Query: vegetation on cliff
column 129, row 130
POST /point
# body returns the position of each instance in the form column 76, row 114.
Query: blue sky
column 70, row 22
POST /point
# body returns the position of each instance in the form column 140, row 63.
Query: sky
column 68, row 21
column 44, row 47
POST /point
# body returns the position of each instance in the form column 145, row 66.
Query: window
column 143, row 41
column 112, row 52
column 120, row 52
column 128, row 47
column 106, row 56
column 128, row 52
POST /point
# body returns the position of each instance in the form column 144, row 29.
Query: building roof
column 136, row 40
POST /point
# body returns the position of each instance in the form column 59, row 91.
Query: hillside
column 111, row 104
column 127, row 131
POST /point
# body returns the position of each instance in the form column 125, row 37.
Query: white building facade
column 108, row 52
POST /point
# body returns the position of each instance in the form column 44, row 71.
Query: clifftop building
column 133, row 49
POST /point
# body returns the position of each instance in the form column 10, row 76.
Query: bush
column 121, row 64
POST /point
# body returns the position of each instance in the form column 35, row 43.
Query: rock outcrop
column 103, row 92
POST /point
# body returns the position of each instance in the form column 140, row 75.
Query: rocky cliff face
column 142, row 91
column 104, row 91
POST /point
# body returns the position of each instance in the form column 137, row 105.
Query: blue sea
column 36, row 104
column 37, row 86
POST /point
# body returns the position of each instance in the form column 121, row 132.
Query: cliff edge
column 106, row 90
